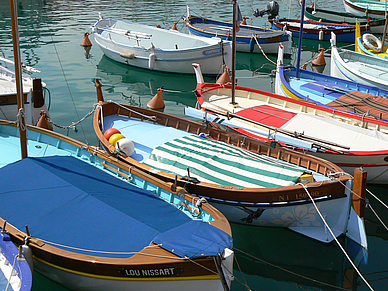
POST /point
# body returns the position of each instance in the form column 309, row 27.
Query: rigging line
column 374, row 212
column 291, row 272
column 133, row 111
column 335, row 238
column 63, row 71
column 378, row 199
column 262, row 51
column 245, row 281
column 202, row 266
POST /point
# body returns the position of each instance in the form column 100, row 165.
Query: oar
column 219, row 110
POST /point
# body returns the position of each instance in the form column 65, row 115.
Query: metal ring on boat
column 367, row 38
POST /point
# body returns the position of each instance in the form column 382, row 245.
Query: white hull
column 372, row 11
column 166, row 51
column 302, row 218
column 359, row 67
column 82, row 282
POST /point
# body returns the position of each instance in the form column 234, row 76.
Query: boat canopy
column 220, row 163
column 78, row 207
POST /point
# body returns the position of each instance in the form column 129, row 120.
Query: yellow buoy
column 115, row 137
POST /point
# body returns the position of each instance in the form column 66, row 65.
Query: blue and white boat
column 249, row 38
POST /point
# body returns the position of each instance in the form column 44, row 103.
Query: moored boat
column 358, row 67
column 248, row 180
column 370, row 8
column 348, row 140
column 167, row 239
column 376, row 25
column 248, row 39
column 160, row 49
column 34, row 94
column 317, row 30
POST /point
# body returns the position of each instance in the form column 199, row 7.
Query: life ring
column 367, row 38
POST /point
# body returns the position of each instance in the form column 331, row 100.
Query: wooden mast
column 234, row 2
column 18, row 75
column 300, row 39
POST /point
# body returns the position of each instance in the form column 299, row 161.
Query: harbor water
column 51, row 32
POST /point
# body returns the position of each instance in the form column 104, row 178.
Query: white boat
column 34, row 93
column 349, row 140
column 370, row 8
column 358, row 67
column 160, row 49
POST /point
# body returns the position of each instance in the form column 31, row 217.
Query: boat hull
column 376, row 25
column 318, row 30
column 213, row 54
column 89, row 282
column 359, row 67
column 244, row 40
column 362, row 8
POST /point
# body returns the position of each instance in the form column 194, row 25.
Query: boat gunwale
column 249, row 195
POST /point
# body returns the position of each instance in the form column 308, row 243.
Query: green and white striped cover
column 219, row 163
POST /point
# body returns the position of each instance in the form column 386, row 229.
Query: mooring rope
column 335, row 238
column 262, row 51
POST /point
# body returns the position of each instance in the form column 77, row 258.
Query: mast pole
column 300, row 39
column 18, row 75
column 234, row 2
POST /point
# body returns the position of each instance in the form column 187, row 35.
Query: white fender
column 126, row 146
column 151, row 61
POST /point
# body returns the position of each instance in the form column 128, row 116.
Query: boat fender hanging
column 126, row 146
column 25, row 252
column 127, row 55
column 321, row 34
column 151, row 61
column 110, row 131
column 368, row 38
column 115, row 138
column 252, row 44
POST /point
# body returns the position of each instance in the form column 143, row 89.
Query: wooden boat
column 349, row 140
column 15, row 272
column 317, row 30
column 248, row 39
column 166, row 236
column 244, row 178
column 159, row 49
column 369, row 8
column 358, row 67
column 34, row 94
column 376, row 25
column 336, row 93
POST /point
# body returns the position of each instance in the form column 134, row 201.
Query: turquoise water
column 267, row 259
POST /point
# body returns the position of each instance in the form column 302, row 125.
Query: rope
column 20, row 116
column 10, row 275
column 74, row 124
column 291, row 272
column 257, row 42
column 335, row 238
column 239, row 268
column 153, row 118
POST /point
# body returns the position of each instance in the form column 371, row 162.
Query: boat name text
column 299, row 196
column 150, row 272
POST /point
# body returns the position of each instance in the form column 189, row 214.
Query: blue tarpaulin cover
column 68, row 201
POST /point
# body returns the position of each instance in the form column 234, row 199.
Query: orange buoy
column 320, row 59
column 174, row 26
column 86, row 42
column 244, row 22
column 43, row 122
column 158, row 26
column 115, row 138
column 110, row 131
column 157, row 101
column 224, row 78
